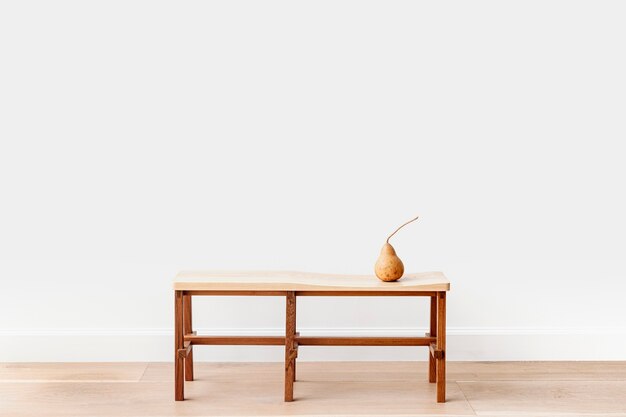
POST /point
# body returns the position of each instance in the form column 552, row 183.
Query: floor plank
column 536, row 371
column 221, row 372
column 546, row 398
column 74, row 371
column 322, row 389
column 400, row 371
column 233, row 398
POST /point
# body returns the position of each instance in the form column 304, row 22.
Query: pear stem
column 396, row 231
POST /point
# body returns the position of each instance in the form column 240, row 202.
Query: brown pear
column 388, row 266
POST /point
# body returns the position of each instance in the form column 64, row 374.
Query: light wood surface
column 323, row 389
column 304, row 281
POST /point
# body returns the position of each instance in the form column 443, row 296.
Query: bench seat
column 304, row 281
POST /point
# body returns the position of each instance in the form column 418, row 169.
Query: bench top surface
column 304, row 281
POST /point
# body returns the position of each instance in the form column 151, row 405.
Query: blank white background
column 139, row 138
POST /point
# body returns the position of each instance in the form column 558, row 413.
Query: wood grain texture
column 432, row 366
column 311, row 340
column 290, row 333
column 179, row 365
column 368, row 293
column 364, row 341
column 303, row 281
column 73, row 372
column 546, row 397
column 441, row 346
column 94, row 372
column 324, row 389
column 185, row 351
column 235, row 340
column 187, row 329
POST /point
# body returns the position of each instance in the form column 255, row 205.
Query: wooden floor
column 322, row 389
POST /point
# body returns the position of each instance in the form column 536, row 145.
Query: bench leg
column 179, row 371
column 441, row 346
column 290, row 350
column 295, row 344
column 293, row 364
column 187, row 327
column 432, row 364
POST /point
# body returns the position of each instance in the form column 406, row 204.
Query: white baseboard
column 464, row 344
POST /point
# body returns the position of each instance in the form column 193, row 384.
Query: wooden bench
column 292, row 285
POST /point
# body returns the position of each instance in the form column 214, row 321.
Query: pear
column 388, row 266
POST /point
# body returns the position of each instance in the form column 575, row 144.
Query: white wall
column 141, row 138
